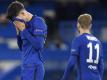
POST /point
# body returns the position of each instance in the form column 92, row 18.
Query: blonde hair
column 85, row 20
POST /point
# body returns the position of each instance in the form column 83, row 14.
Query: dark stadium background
column 60, row 16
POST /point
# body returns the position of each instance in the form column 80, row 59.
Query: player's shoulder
column 84, row 37
column 77, row 38
column 40, row 22
column 90, row 37
column 39, row 19
column 76, row 41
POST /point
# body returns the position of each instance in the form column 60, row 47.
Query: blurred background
column 61, row 17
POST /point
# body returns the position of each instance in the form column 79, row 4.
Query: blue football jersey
column 31, row 40
column 86, row 52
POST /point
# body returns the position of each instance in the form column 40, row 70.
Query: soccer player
column 31, row 35
column 86, row 53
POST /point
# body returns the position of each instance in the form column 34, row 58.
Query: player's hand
column 17, row 31
column 19, row 25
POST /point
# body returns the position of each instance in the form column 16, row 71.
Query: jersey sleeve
column 19, row 42
column 71, row 63
column 101, row 63
column 75, row 46
column 37, row 37
column 39, row 27
column 73, row 58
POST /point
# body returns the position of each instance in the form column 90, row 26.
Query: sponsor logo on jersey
column 92, row 67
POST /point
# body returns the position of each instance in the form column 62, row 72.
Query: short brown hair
column 85, row 20
column 14, row 9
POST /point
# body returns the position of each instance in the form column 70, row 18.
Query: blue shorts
column 31, row 72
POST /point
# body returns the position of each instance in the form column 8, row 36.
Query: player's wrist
column 23, row 30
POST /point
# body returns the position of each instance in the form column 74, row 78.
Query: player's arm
column 73, row 59
column 101, row 67
column 19, row 41
column 101, row 64
column 71, row 63
column 37, row 37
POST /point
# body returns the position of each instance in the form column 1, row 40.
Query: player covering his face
column 31, row 36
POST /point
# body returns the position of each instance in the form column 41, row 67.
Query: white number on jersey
column 96, row 47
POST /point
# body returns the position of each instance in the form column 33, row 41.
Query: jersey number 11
column 96, row 47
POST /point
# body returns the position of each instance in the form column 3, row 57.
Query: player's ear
column 90, row 26
column 79, row 26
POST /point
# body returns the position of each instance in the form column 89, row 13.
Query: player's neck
column 85, row 31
